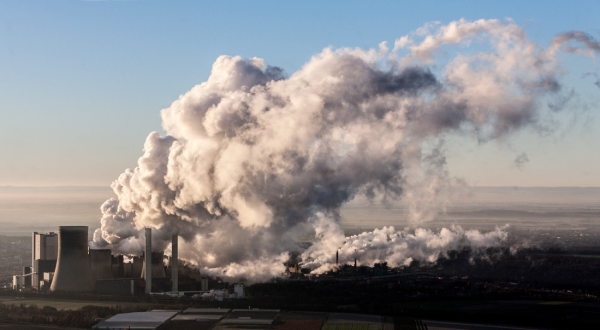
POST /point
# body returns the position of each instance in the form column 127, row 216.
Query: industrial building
column 44, row 246
column 43, row 258
column 63, row 262
column 44, row 253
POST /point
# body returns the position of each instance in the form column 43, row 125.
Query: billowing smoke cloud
column 254, row 157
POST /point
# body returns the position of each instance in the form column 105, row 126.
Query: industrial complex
column 94, row 288
column 63, row 262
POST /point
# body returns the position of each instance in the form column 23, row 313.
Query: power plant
column 63, row 262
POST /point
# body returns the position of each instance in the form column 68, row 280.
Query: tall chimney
column 148, row 255
column 337, row 256
column 73, row 272
column 174, row 263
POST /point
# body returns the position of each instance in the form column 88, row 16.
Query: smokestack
column 101, row 264
column 73, row 272
column 337, row 257
column 174, row 263
column 148, row 261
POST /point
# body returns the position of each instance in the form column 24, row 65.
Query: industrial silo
column 73, row 272
column 101, row 264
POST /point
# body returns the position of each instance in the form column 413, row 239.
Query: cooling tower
column 136, row 267
column 158, row 268
column 101, row 264
column 73, row 272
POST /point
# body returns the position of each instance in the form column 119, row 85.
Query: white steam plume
column 252, row 157
column 397, row 248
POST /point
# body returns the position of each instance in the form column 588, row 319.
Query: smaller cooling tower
column 158, row 268
column 101, row 264
column 136, row 267
column 73, row 272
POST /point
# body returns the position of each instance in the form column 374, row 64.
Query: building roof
column 197, row 318
column 139, row 321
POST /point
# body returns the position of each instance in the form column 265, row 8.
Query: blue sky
column 82, row 82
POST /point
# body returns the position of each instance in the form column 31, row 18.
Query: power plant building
column 44, row 252
column 44, row 246
column 63, row 262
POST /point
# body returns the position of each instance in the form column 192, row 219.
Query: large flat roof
column 138, row 320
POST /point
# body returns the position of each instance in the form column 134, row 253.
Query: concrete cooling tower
column 101, row 264
column 73, row 272
column 137, row 266
column 158, row 268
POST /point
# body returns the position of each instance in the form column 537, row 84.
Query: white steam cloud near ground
column 253, row 157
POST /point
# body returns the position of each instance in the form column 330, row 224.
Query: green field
column 352, row 326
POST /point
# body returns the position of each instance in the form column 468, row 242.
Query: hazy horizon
column 27, row 209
